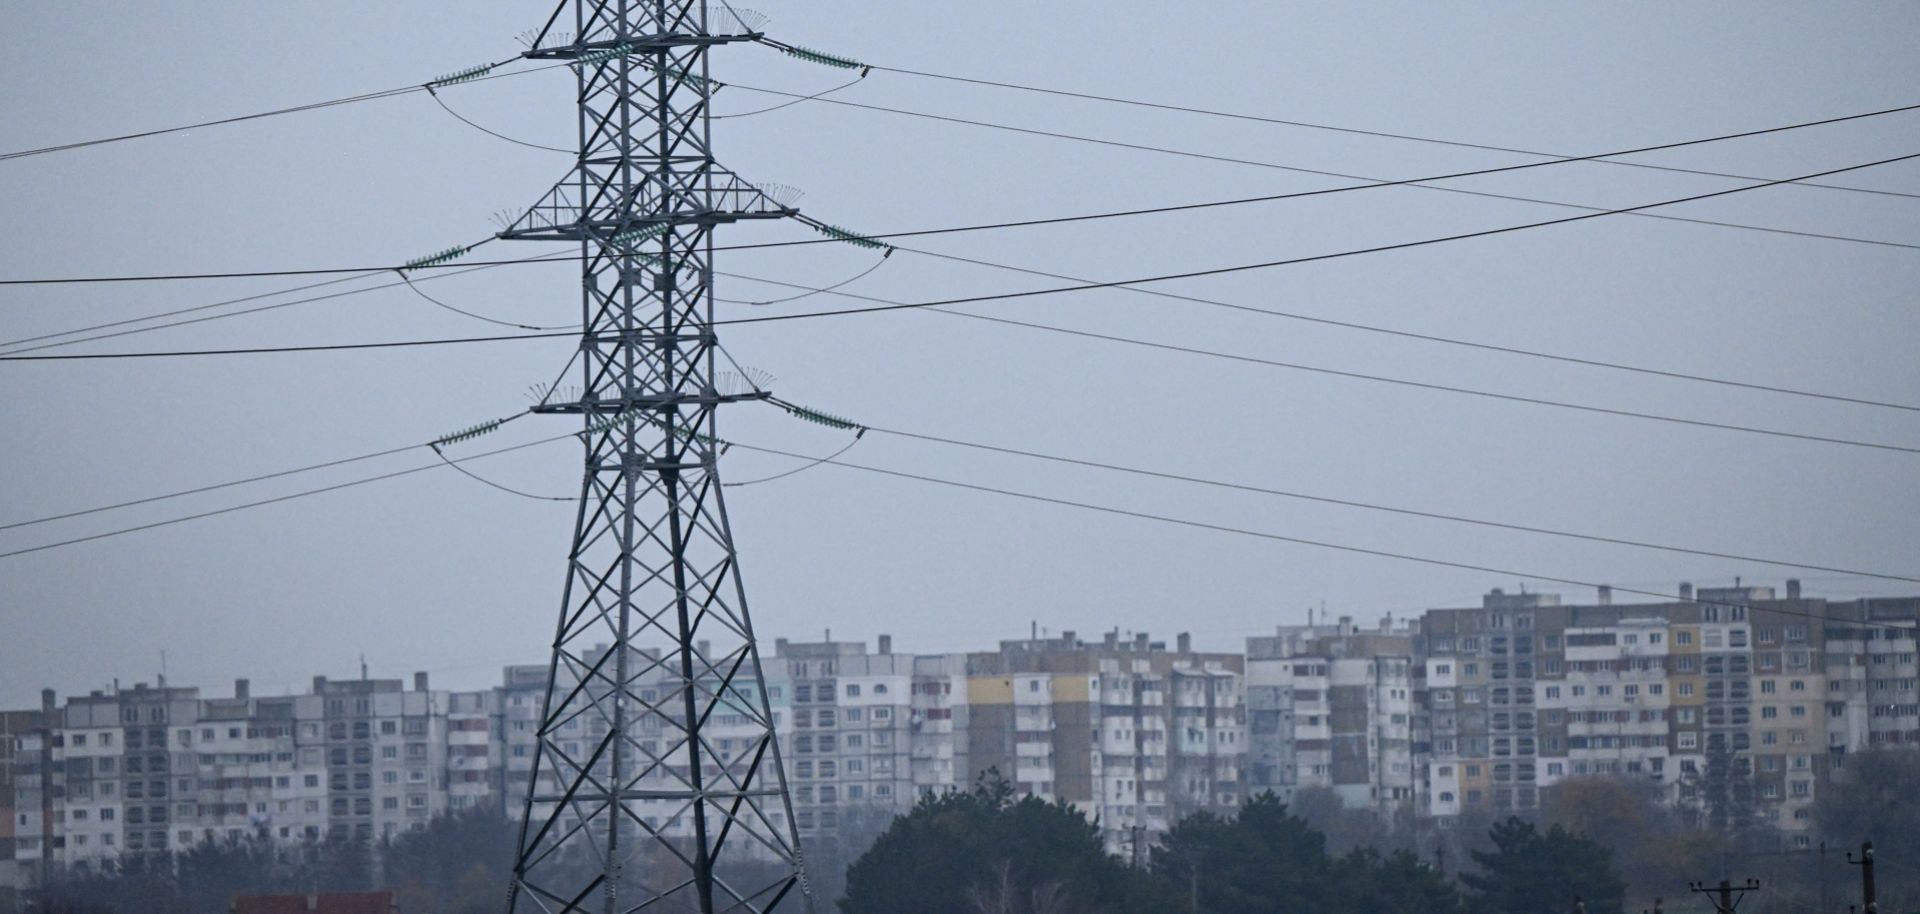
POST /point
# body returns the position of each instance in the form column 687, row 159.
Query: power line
column 342, row 461
column 1265, row 198
column 1188, row 109
column 276, row 500
column 476, row 477
column 1407, row 182
column 219, row 304
column 468, row 268
column 1370, row 506
column 834, row 461
column 348, row 100
column 1321, row 544
column 1422, row 385
column 1432, row 338
column 894, row 306
column 492, row 133
column 1079, row 287
column 1403, row 245
column 275, row 350
column 814, row 290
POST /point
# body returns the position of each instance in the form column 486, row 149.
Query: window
column 853, row 690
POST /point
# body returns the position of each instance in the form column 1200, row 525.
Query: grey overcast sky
column 438, row 572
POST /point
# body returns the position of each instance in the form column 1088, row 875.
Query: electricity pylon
column 657, row 783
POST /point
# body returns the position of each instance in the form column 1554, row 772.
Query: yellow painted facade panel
column 990, row 690
column 1070, row 688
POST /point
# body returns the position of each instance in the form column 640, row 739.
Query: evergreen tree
column 1395, row 883
column 1263, row 857
column 1530, row 872
column 457, row 864
column 985, row 852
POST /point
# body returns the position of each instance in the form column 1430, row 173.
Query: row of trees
column 1658, row 847
column 458, row 865
column 986, row 851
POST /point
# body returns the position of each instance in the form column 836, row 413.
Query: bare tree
column 996, row 895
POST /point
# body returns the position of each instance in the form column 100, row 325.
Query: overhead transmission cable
column 1275, row 537
column 281, row 498
column 1264, row 198
column 1352, row 252
column 1371, row 328
column 813, row 290
column 1093, row 463
column 833, row 461
column 1432, row 338
column 894, row 306
column 469, row 75
column 493, row 133
column 860, row 429
column 1241, row 116
column 887, row 304
column 404, row 281
column 1371, row 182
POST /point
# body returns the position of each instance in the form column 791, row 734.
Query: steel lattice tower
column 657, row 783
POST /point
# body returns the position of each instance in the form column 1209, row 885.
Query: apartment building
column 1332, row 706
column 1726, row 692
column 18, row 729
column 1869, row 662
column 1478, row 669
column 476, row 769
column 1132, row 733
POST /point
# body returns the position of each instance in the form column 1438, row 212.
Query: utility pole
column 655, row 764
column 1726, row 896
column 1870, row 903
column 1820, row 873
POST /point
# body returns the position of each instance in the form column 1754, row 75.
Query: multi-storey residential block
column 246, row 776
column 1868, row 656
column 1728, row 699
column 384, row 750
column 1479, row 667
column 1134, row 734
column 18, row 729
column 1332, row 706
column 940, row 716
column 476, row 750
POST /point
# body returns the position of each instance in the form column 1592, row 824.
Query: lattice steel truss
column 657, row 783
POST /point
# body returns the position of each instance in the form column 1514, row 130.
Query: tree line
column 1609, row 842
